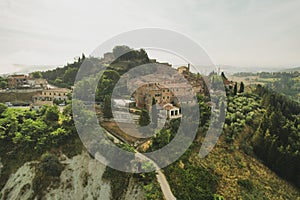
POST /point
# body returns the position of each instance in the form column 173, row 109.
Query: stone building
column 38, row 83
column 22, row 81
column 171, row 89
column 17, row 81
column 172, row 112
column 47, row 96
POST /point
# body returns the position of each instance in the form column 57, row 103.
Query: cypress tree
column 107, row 113
column 144, row 118
column 235, row 89
column 242, row 87
column 222, row 112
column 154, row 113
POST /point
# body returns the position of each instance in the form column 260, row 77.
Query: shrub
column 50, row 165
column 2, row 108
column 246, row 183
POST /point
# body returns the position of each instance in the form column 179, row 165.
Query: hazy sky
column 233, row 32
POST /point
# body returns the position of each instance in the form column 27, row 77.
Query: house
column 23, row 81
column 38, row 83
column 168, row 91
column 163, row 94
column 17, row 81
column 172, row 112
column 55, row 93
column 183, row 69
column 48, row 96
column 108, row 57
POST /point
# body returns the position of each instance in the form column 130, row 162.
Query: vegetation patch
column 246, row 183
column 47, row 174
column 118, row 180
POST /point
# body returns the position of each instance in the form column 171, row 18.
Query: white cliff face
column 80, row 179
column 19, row 184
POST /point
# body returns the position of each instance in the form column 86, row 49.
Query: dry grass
column 232, row 164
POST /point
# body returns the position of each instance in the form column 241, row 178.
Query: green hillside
column 256, row 157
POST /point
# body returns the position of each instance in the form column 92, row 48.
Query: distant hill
column 291, row 70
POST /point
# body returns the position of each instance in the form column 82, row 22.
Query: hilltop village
column 34, row 91
column 28, row 90
column 168, row 91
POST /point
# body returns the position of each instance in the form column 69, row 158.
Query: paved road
column 164, row 185
column 161, row 178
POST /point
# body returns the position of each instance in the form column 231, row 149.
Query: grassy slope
column 232, row 164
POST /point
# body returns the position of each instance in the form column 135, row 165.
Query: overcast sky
column 239, row 33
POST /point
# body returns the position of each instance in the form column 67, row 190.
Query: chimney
column 189, row 66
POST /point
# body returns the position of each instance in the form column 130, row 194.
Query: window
column 172, row 112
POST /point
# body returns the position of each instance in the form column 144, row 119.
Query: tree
column 223, row 76
column 52, row 114
column 242, row 87
column 50, row 165
column 3, row 84
column 70, row 75
column 2, row 108
column 161, row 139
column 235, row 89
column 143, row 55
column 36, row 75
column 222, row 112
column 154, row 113
column 107, row 113
column 144, row 118
column 106, row 84
column 32, row 131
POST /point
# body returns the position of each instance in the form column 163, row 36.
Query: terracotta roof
column 169, row 106
column 18, row 76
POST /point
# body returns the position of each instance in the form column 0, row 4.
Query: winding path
column 161, row 178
